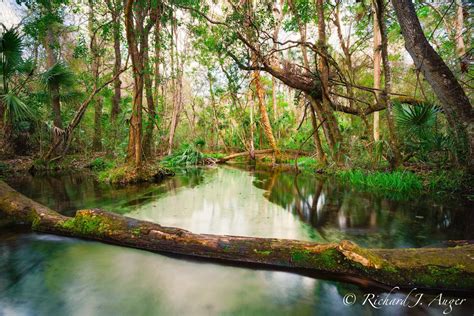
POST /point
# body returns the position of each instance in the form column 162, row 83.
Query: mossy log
column 441, row 268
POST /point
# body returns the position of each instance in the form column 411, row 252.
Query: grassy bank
column 402, row 183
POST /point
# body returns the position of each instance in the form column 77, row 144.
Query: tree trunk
column 252, row 124
column 135, row 133
column 453, row 99
column 407, row 268
column 115, row 111
column 333, row 135
column 97, row 137
column 175, row 112
column 314, row 107
column 265, row 120
column 51, row 60
column 148, row 139
column 377, row 70
column 214, row 113
column 317, row 140
column 459, row 40
column 278, row 15
column 395, row 160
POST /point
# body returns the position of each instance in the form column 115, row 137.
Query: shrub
column 186, row 155
column 100, row 164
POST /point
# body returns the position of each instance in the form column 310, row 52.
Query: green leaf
column 15, row 109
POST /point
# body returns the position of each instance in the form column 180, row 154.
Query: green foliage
column 449, row 181
column 4, row 169
column 399, row 182
column 59, row 74
column 416, row 120
column 307, row 164
column 15, row 109
column 186, row 155
column 11, row 48
column 420, row 133
column 114, row 175
column 101, row 164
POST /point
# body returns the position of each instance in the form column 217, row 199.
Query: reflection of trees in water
column 67, row 193
column 338, row 212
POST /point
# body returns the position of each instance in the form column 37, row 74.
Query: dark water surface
column 48, row 275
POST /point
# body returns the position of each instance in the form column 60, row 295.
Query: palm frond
column 26, row 66
column 15, row 109
column 415, row 119
column 11, row 49
column 59, row 74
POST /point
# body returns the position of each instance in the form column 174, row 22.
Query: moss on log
column 443, row 268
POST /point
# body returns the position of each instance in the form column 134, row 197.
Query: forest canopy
column 358, row 84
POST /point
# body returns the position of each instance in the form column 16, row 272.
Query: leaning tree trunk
column 259, row 92
column 453, row 99
column 446, row 268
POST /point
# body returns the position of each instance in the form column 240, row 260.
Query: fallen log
column 262, row 152
column 441, row 268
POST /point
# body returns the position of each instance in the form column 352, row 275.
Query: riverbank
column 405, row 182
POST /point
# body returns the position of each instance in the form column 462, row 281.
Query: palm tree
column 417, row 125
column 12, row 66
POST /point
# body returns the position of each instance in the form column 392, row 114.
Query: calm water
column 49, row 275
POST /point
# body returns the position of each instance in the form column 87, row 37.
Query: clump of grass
column 115, row 175
column 101, row 164
column 449, row 181
column 398, row 182
column 126, row 174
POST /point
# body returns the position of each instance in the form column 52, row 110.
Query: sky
column 9, row 15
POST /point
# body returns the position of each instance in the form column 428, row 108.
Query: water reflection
column 49, row 275
column 336, row 212
column 60, row 276
column 69, row 192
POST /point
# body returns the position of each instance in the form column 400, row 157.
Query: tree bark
column 377, row 70
column 97, row 137
column 53, row 88
column 148, row 138
column 459, row 40
column 115, row 111
column 278, row 15
column 333, row 134
column 396, row 159
column 214, row 113
column 175, row 78
column 453, row 99
column 445, row 268
column 317, row 140
column 265, row 120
